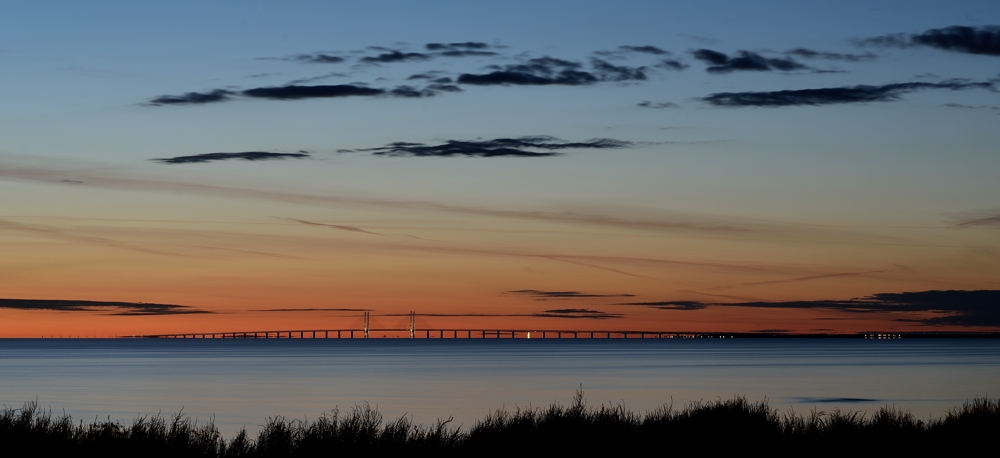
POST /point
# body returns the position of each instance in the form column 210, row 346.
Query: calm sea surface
column 242, row 382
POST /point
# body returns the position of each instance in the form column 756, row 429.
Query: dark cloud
column 246, row 156
column 562, row 294
column 444, row 87
column 543, row 71
column 500, row 147
column 465, row 49
column 113, row 308
column 590, row 314
column 298, row 92
column 644, row 49
column 953, row 308
column 310, row 79
column 608, row 72
column 958, row 308
column 578, row 313
column 971, row 40
column 411, row 92
column 648, row 104
column 744, row 61
column 468, row 45
column 316, row 58
column 463, row 53
column 311, row 58
column 621, row 51
column 834, row 95
column 431, row 75
column 295, row 92
column 811, row 54
column 671, row 64
column 670, row 305
column 192, row 98
column 395, row 56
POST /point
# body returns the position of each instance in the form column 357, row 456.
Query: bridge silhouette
column 365, row 330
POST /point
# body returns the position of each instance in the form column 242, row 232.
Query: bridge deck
column 437, row 333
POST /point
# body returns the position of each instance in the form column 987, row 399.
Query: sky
column 807, row 167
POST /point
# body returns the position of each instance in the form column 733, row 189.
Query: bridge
column 366, row 331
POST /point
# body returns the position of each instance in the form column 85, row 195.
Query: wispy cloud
column 971, row 40
column 975, row 220
column 623, row 51
column 109, row 308
column 244, row 156
column 312, row 58
column 835, row 95
column 562, row 294
column 648, row 104
column 310, row 310
column 310, row 79
column 669, row 305
column 66, row 235
column 813, row 54
column 672, row 64
column 335, row 226
column 89, row 174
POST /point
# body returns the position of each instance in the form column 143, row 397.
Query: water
column 239, row 383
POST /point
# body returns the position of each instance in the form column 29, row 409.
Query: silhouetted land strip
column 735, row 426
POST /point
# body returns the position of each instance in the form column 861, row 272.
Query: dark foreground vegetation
column 734, row 426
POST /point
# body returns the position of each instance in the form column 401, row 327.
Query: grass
column 735, row 426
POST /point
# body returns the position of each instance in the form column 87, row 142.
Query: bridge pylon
column 413, row 324
column 367, row 323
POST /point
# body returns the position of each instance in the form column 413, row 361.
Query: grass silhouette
column 734, row 426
